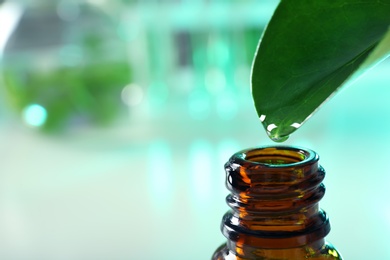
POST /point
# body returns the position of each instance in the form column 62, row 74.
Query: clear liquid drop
column 280, row 132
column 279, row 139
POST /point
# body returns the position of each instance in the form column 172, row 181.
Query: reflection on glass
column 10, row 13
column 225, row 149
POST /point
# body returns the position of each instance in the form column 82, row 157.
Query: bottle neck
column 274, row 200
column 242, row 252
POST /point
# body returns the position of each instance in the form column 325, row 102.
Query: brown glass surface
column 274, row 200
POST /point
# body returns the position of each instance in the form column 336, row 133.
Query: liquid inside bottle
column 274, row 195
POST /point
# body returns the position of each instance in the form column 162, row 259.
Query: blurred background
column 116, row 118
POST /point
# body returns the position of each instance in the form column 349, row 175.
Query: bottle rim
column 276, row 156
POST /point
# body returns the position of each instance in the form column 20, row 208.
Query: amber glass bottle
column 274, row 199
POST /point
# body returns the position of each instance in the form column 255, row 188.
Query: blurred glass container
column 65, row 65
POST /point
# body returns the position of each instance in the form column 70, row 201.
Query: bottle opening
column 278, row 156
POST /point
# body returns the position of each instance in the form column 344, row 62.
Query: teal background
column 151, row 185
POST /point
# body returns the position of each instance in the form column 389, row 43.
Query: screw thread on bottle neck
column 274, row 199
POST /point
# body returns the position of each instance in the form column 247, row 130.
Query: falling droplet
column 279, row 133
column 278, row 139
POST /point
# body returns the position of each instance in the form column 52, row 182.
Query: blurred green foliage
column 88, row 93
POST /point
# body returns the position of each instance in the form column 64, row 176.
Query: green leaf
column 308, row 51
